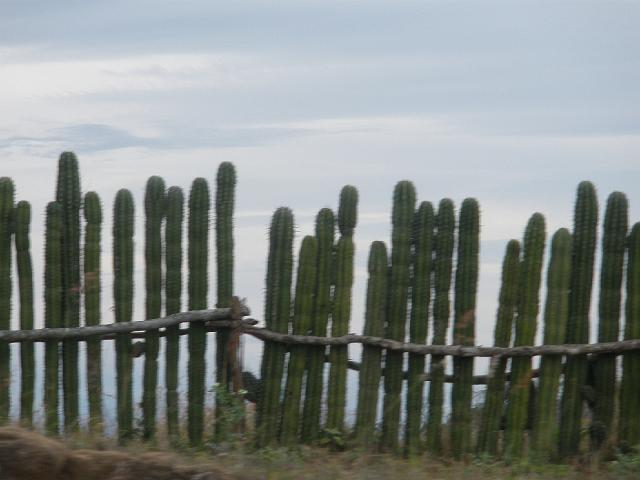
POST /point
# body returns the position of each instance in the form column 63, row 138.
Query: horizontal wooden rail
column 216, row 318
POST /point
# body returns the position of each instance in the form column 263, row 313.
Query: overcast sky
column 510, row 102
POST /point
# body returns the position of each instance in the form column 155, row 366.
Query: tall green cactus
column 325, row 232
column 173, row 293
column 276, row 315
column 464, row 325
column 544, row 435
column 525, row 332
column 302, row 313
column 25, row 286
column 52, row 312
column 6, row 209
column 375, row 317
column 154, row 207
column 404, row 204
column 69, row 197
column 442, row 270
column 629, row 423
column 489, row 433
column 584, row 244
column 93, row 217
column 225, row 201
column 341, row 311
column 613, row 249
column 420, row 300
column 199, row 205
column 123, row 258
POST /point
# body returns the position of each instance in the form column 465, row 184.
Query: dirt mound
column 26, row 455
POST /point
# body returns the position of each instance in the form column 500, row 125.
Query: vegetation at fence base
column 371, row 366
column 69, row 197
column 420, row 299
column 22, row 221
column 154, row 207
column 404, row 204
column 341, row 307
column 302, row 313
column 324, row 233
column 525, row 332
column 52, row 312
column 544, row 433
column 442, row 270
column 123, row 257
column 224, row 205
column 584, row 244
column 276, row 317
column 6, row 211
column 629, row 422
column 466, row 284
column 493, row 409
column 92, row 286
column 173, row 295
column 613, row 250
column 198, row 254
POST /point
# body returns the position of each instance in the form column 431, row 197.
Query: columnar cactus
column 123, row 257
column 464, row 325
column 276, row 315
column 173, row 293
column 420, row 299
column 302, row 313
column 199, row 204
column 371, row 369
column 404, row 204
column 93, row 216
column 629, row 423
column 613, row 249
column 225, row 201
column 154, row 207
column 544, row 438
column 525, row 332
column 584, row 244
column 442, row 270
column 25, row 285
column 6, row 209
column 69, row 197
column 325, row 232
column 52, row 312
column 341, row 312
column 489, row 433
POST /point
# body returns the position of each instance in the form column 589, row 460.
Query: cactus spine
column 25, row 286
column 584, row 244
column 489, row 433
column 544, row 439
column 173, row 292
column 325, row 232
column 302, row 313
column 341, row 312
column 199, row 204
column 420, row 299
column 526, row 325
column 68, row 196
column 613, row 249
column 629, row 426
column 442, row 270
column 6, row 209
column 276, row 315
column 464, row 325
column 93, row 217
column 375, row 317
column 123, row 227
column 154, row 207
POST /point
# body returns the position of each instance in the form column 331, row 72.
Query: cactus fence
column 567, row 406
